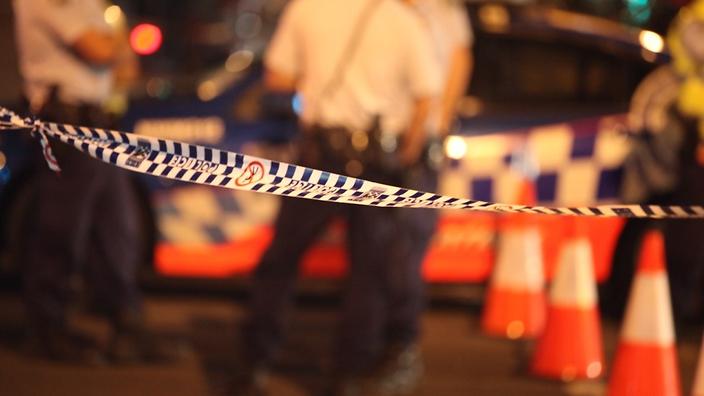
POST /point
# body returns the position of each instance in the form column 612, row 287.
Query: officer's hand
column 415, row 136
column 410, row 152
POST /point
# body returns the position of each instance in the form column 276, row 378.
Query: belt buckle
column 359, row 140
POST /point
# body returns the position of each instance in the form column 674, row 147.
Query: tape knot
column 38, row 130
column 33, row 123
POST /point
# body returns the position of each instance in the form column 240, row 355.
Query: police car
column 537, row 70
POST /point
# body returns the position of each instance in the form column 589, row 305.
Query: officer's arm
column 425, row 81
column 97, row 47
column 278, row 82
column 283, row 58
column 460, row 70
column 79, row 25
column 126, row 67
column 415, row 135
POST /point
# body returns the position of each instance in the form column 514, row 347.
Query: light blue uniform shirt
column 46, row 31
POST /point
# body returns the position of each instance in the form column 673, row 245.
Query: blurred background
column 555, row 76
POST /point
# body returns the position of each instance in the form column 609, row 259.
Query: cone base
column 570, row 347
column 514, row 314
column 641, row 369
column 698, row 387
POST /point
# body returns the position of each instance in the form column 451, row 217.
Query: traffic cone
column 515, row 303
column 698, row 388
column 570, row 346
column 646, row 361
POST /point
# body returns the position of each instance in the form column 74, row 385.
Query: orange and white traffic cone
column 646, row 361
column 698, row 388
column 570, row 348
column 515, row 303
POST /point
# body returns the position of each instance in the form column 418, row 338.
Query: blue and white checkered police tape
column 210, row 166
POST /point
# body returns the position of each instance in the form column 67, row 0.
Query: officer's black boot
column 399, row 371
column 57, row 343
column 251, row 380
column 348, row 386
column 132, row 342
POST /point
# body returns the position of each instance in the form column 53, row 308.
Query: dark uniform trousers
column 84, row 222
column 383, row 295
column 683, row 248
column 406, row 286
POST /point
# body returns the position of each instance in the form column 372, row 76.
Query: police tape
column 220, row 168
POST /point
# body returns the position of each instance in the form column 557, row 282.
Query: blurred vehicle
column 535, row 65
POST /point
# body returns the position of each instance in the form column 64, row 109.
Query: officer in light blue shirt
column 84, row 221
column 363, row 71
column 66, row 45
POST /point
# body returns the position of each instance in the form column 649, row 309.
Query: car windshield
column 209, row 45
column 651, row 14
column 203, row 36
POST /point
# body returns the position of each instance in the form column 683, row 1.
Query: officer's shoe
column 349, row 386
column 250, row 381
column 133, row 343
column 400, row 370
column 60, row 345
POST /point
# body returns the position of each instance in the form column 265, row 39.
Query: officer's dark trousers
column 406, row 286
column 300, row 221
column 84, row 223
column 383, row 296
column 683, row 248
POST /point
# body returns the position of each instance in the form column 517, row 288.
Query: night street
column 459, row 360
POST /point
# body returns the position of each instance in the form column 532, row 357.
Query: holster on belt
column 363, row 153
column 357, row 153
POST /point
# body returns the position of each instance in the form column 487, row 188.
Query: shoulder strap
column 350, row 49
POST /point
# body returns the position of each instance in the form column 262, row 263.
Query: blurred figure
column 367, row 78
column 85, row 218
column 684, row 250
column 401, row 367
column 665, row 167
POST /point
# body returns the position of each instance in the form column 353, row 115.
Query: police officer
column 683, row 248
column 87, row 214
column 664, row 167
column 363, row 70
column 451, row 36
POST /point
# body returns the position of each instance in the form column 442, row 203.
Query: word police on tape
column 210, row 166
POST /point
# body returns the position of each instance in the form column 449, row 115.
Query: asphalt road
column 459, row 359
